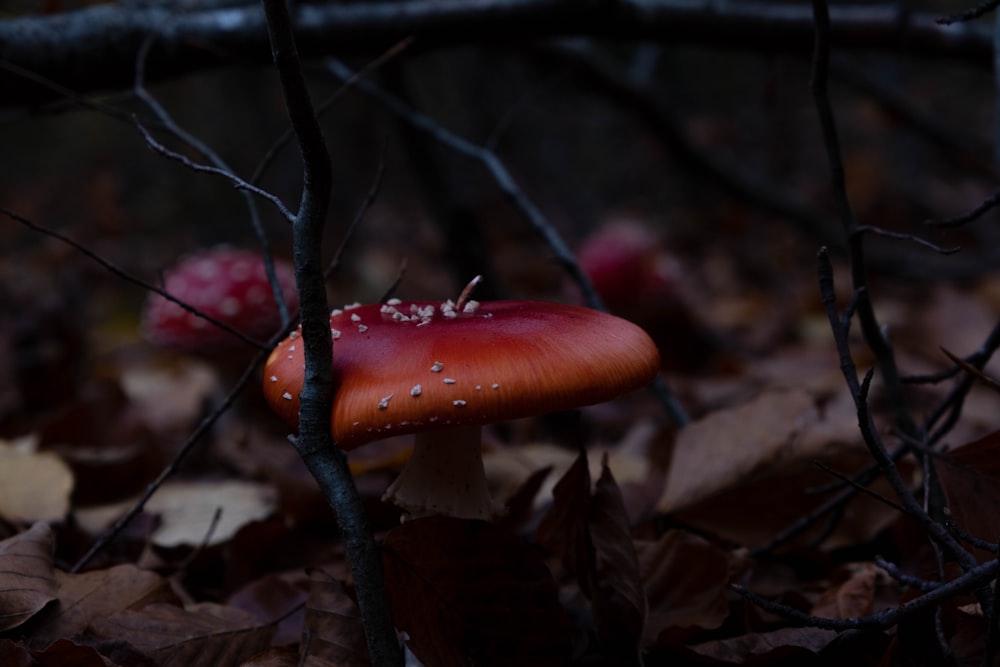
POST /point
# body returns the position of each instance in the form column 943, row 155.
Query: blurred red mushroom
column 443, row 370
column 229, row 285
column 639, row 280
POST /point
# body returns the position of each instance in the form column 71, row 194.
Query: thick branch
column 94, row 49
column 314, row 444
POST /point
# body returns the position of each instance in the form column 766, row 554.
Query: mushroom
column 641, row 280
column 228, row 284
column 442, row 370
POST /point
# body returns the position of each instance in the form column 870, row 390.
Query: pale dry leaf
column 187, row 509
column 734, row 445
column 85, row 597
column 34, row 486
column 27, row 578
column 170, row 393
column 204, row 635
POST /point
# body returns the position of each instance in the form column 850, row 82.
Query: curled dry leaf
column 748, row 472
column 853, row 592
column 27, row 578
column 203, row 635
column 187, row 511
column 468, row 593
column 590, row 534
column 333, row 623
column 34, row 486
column 687, row 581
column 970, row 477
column 90, row 596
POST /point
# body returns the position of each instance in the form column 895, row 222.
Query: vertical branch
column 314, row 444
column 880, row 347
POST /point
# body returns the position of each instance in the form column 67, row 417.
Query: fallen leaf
column 202, row 635
column 732, row 445
column 756, row 647
column 687, row 581
column 590, row 534
column 88, row 597
column 34, row 486
column 970, row 478
column 852, row 593
column 276, row 598
column 186, row 511
column 27, row 577
column 65, row 653
column 469, row 593
column 333, row 623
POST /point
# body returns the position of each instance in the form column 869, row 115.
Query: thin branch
column 237, row 182
column 884, row 355
column 128, row 277
column 886, row 465
column 327, row 104
column 376, row 185
column 489, row 160
column 970, row 14
column 985, row 207
column 94, row 47
column 327, row 464
column 902, row 236
column 975, row 578
column 515, row 195
column 905, row 578
column 174, row 128
column 193, row 440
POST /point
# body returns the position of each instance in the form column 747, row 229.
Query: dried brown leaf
column 204, row 635
column 590, row 534
column 687, row 583
column 970, row 478
column 90, row 596
column 27, row 577
column 852, row 594
column 756, row 648
column 65, row 653
column 15, row 654
column 732, row 445
column 279, row 598
column 618, row 598
column 333, row 623
column 34, row 486
column 469, row 593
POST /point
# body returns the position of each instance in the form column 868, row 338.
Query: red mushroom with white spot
column 442, row 371
column 638, row 279
column 229, row 285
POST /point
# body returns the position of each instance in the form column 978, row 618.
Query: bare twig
column 171, row 468
column 174, row 128
column 237, row 182
column 128, row 277
column 94, row 47
column 886, row 465
column 975, row 578
column 327, row 464
column 515, row 195
column 982, row 209
column 327, row 104
column 902, row 236
column 970, row 14
column 880, row 347
column 334, row 264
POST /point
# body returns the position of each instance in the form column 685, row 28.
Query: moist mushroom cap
column 408, row 367
column 228, row 284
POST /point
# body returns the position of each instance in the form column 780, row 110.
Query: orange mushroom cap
column 408, row 367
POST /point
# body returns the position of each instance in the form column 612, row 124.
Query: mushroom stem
column 445, row 476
